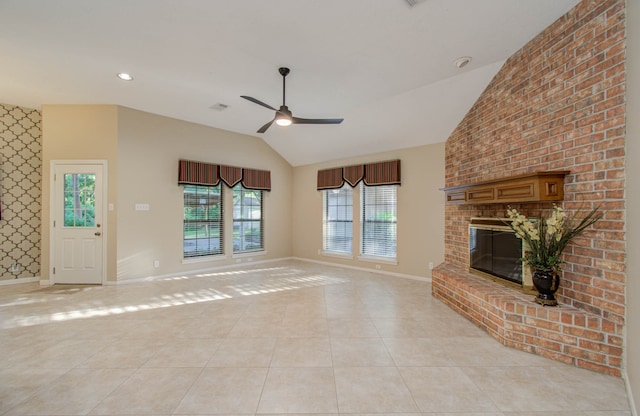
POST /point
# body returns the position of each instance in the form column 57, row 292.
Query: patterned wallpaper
column 20, row 192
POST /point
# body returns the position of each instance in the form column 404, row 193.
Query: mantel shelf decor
column 544, row 186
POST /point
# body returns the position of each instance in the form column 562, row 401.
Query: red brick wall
column 557, row 104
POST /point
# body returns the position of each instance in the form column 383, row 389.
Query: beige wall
column 79, row 132
column 420, row 211
column 142, row 151
column 149, row 147
column 633, row 199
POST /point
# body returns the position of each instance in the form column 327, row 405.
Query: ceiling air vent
column 219, row 107
column 414, row 2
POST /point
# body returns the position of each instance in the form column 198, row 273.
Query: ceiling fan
column 283, row 116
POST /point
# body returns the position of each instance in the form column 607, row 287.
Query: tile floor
column 278, row 338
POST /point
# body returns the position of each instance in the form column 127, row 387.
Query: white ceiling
column 385, row 67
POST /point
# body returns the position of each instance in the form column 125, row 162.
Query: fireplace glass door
column 496, row 251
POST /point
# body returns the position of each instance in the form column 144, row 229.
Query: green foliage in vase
column 547, row 238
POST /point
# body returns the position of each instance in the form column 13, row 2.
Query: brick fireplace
column 557, row 104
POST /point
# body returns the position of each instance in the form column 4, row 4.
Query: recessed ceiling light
column 462, row 61
column 125, row 77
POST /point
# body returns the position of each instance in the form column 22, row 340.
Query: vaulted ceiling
column 384, row 66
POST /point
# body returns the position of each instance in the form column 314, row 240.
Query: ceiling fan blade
column 254, row 100
column 297, row 120
column 266, row 126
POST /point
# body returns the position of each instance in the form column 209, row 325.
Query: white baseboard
column 191, row 272
column 627, row 384
column 364, row 269
column 246, row 264
column 19, row 281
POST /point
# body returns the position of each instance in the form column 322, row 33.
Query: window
column 379, row 217
column 248, row 227
column 79, row 199
column 338, row 220
column 203, row 225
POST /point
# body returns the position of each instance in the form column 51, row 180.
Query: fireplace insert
column 496, row 252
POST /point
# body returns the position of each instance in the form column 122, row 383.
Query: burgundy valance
column 202, row 173
column 197, row 173
column 230, row 175
column 353, row 174
column 373, row 174
column 382, row 173
column 330, row 178
column 256, row 179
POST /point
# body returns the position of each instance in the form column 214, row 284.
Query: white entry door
column 78, row 226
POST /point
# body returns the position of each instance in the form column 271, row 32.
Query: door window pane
column 79, row 200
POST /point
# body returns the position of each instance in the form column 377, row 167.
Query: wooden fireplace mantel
column 531, row 187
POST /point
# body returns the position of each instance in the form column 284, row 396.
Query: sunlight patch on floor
column 286, row 281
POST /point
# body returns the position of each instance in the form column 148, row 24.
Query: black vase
column 546, row 283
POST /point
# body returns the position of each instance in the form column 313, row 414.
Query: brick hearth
column 563, row 333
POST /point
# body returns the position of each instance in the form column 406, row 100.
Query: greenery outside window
column 338, row 220
column 203, row 221
column 79, row 200
column 248, row 224
column 379, row 221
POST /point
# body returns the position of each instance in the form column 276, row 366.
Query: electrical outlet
column 15, row 267
column 156, row 263
column 430, row 265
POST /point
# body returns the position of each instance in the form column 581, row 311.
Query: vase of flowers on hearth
column 546, row 239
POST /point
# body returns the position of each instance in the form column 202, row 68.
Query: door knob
column 97, row 233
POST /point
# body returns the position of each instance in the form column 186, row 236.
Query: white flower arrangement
column 548, row 238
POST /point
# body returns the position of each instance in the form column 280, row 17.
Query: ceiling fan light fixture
column 283, row 121
column 284, row 117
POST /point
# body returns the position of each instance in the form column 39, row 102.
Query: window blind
column 379, row 221
column 248, row 223
column 203, row 230
column 338, row 220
